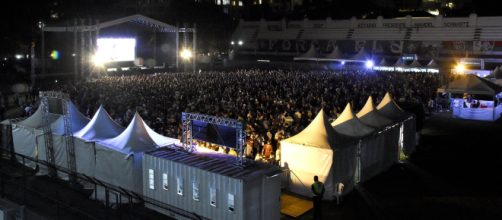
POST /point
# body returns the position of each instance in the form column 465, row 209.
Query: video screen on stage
column 116, row 49
column 213, row 133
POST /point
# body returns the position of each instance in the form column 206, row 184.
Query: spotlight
column 369, row 64
column 460, row 68
column 186, row 54
column 343, row 62
column 240, row 43
column 232, row 42
column 97, row 60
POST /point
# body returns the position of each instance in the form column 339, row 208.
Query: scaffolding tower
column 187, row 137
column 68, row 132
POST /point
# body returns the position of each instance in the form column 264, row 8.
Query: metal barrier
column 81, row 178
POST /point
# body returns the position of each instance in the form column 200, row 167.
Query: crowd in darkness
column 275, row 104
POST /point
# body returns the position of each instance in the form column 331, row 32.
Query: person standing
column 318, row 191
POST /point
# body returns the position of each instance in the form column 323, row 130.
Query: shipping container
column 212, row 185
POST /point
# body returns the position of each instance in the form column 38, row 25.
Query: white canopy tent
column 385, row 127
column 407, row 121
column 119, row 159
column 100, row 127
column 310, row 55
column 77, row 122
column 335, row 55
column 370, row 144
column 319, row 150
column 25, row 134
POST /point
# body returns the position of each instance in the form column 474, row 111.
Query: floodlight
column 240, row 43
column 232, row 42
column 18, row 56
column 186, row 54
column 460, row 68
column 343, row 62
column 97, row 60
column 369, row 64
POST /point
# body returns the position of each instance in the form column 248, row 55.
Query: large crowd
column 274, row 104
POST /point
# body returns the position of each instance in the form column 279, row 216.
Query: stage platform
column 294, row 206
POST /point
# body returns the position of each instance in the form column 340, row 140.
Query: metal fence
column 114, row 196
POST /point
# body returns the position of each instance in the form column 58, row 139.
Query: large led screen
column 116, row 49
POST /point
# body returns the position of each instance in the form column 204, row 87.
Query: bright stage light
column 460, row 68
column 97, row 60
column 369, row 64
column 343, row 62
column 240, row 43
column 18, row 56
column 186, row 54
column 232, row 42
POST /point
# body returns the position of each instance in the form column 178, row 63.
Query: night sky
column 19, row 18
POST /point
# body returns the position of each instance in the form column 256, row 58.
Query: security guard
column 318, row 191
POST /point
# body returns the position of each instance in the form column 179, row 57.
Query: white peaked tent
column 360, row 55
column 415, row 63
column 310, row 55
column 383, row 62
column 335, row 55
column 119, row 159
column 432, row 64
column 100, row 127
column 399, row 63
column 77, row 121
column 370, row 143
column 386, row 127
column 407, row 121
column 319, row 150
column 25, row 134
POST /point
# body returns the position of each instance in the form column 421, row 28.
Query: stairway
column 407, row 35
column 477, row 34
column 350, row 33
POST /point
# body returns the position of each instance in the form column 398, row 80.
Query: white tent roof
column 348, row 124
column 370, row 116
column 472, row 84
column 390, row 109
column 399, row 62
column 319, row 133
column 137, row 137
column 360, row 55
column 334, row 55
column 415, row 63
column 432, row 64
column 311, row 54
column 36, row 120
column 100, row 127
column 383, row 62
column 78, row 121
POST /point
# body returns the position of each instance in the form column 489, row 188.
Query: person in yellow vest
column 318, row 191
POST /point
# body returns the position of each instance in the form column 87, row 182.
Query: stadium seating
column 491, row 33
column 325, row 33
column 442, row 34
column 378, row 34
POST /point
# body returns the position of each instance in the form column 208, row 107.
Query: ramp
column 294, row 206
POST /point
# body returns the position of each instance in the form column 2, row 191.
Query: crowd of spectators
column 274, row 104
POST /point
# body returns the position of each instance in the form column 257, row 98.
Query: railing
column 81, row 178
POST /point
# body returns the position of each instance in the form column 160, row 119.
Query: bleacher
column 379, row 34
column 442, row 34
column 491, row 33
column 325, row 33
column 287, row 34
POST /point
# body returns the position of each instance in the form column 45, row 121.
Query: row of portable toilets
column 352, row 149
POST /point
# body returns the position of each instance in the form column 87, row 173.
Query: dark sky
column 19, row 17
